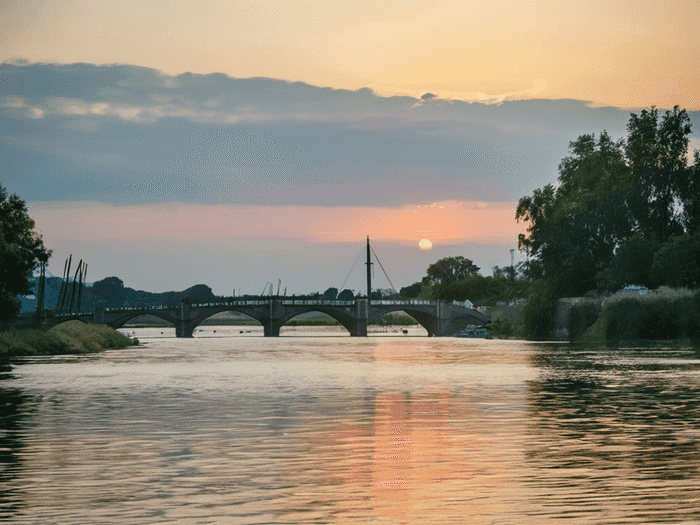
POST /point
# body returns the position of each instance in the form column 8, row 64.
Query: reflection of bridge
column 437, row 317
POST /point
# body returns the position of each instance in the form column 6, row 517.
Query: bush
column 538, row 313
column 677, row 262
column 31, row 342
column 73, row 337
column 689, row 313
column 658, row 319
column 502, row 328
column 580, row 318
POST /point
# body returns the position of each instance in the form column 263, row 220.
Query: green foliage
column 690, row 196
column 677, row 262
column 474, row 288
column 412, row 291
column 657, row 153
column 539, row 311
column 330, row 294
column 658, row 319
column 488, row 290
column 504, row 328
column 31, row 342
column 346, row 295
column 111, row 290
column 632, row 320
column 21, row 251
column 91, row 337
column 450, row 269
column 615, row 203
column 689, row 317
column 632, row 265
column 580, row 318
column 574, row 229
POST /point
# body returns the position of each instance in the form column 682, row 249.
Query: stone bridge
column 439, row 318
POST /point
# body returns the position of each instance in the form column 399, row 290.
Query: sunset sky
column 172, row 143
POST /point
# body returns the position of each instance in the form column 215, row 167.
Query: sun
column 425, row 244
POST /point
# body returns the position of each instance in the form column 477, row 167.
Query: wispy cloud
column 132, row 135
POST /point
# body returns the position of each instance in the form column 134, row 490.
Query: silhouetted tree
column 450, row 269
column 346, row 295
column 111, row 290
column 677, row 262
column 21, row 251
column 330, row 294
column 657, row 151
column 412, row 291
column 632, row 265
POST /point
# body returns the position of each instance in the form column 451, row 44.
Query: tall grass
column 73, row 337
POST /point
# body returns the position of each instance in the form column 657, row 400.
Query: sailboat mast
column 369, row 272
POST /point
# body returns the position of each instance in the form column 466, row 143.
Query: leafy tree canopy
column 580, row 231
column 657, row 152
column 631, row 265
column 677, row 262
column 346, row 295
column 111, row 290
column 330, row 294
column 450, row 269
column 21, row 251
column 412, row 291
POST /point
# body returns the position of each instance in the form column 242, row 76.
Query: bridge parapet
column 438, row 317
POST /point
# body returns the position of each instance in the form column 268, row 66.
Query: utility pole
column 369, row 273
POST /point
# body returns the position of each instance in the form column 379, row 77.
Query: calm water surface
column 237, row 428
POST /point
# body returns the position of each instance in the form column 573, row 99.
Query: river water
column 317, row 427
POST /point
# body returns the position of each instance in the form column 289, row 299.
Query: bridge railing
column 289, row 302
column 390, row 302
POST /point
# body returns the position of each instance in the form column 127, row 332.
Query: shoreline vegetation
column 72, row 337
column 649, row 319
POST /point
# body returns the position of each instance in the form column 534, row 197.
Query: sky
column 235, row 143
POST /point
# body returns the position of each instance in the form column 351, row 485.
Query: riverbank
column 72, row 337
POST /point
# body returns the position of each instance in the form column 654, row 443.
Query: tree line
column 622, row 212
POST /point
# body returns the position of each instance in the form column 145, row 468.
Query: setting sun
column 425, row 244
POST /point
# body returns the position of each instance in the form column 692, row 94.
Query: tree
column 690, row 196
column 575, row 228
column 21, row 251
column 111, row 290
column 450, row 269
column 632, row 265
column 346, row 295
column 474, row 288
column 608, row 191
column 677, row 262
column 657, row 155
column 330, row 294
column 412, row 291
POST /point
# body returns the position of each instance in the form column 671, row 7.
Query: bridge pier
column 362, row 319
column 273, row 321
column 271, row 328
column 183, row 328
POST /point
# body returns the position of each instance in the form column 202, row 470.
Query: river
column 315, row 427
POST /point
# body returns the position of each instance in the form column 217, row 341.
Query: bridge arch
column 425, row 319
column 131, row 314
column 206, row 314
column 347, row 321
